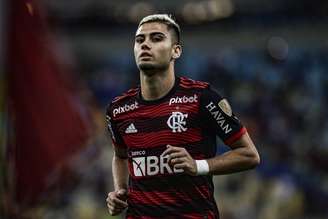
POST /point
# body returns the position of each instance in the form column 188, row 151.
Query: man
column 164, row 134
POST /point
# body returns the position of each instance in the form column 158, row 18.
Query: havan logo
column 219, row 117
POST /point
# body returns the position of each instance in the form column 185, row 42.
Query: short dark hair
column 167, row 19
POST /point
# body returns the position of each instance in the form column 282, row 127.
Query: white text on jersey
column 125, row 108
column 152, row 165
column 218, row 116
column 184, row 99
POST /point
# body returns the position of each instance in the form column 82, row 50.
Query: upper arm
column 243, row 142
column 249, row 149
column 118, row 143
column 121, row 152
column 218, row 117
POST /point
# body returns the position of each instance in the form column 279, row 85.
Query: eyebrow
column 152, row 34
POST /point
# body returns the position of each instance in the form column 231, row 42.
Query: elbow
column 255, row 159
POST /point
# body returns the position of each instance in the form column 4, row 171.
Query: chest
column 175, row 122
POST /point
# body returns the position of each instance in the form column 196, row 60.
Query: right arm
column 117, row 199
column 120, row 169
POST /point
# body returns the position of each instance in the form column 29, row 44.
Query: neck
column 158, row 84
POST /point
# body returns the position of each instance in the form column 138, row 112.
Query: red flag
column 48, row 123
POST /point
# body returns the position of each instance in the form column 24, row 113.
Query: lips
column 145, row 54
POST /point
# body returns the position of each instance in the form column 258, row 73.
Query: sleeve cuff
column 235, row 136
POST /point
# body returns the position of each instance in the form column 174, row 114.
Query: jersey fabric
column 191, row 115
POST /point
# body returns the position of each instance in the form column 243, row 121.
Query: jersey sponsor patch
column 219, row 117
column 125, row 108
column 152, row 165
column 184, row 99
column 225, row 107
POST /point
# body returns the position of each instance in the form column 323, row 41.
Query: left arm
column 242, row 156
column 217, row 117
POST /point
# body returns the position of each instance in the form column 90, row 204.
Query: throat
column 156, row 86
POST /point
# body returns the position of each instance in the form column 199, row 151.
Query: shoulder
column 122, row 99
column 126, row 95
column 204, row 88
column 189, row 83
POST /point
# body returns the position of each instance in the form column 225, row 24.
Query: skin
column 155, row 51
column 156, row 70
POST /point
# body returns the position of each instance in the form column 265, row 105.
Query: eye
column 157, row 38
column 138, row 40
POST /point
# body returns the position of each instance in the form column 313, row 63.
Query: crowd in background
column 279, row 93
column 281, row 102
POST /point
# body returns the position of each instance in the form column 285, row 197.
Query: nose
column 145, row 45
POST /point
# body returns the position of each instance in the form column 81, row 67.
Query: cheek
column 165, row 52
column 135, row 50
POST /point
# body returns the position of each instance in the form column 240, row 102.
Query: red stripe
column 168, row 198
column 194, row 83
column 160, row 110
column 156, row 198
column 191, row 86
column 210, row 215
column 191, row 82
column 236, row 136
column 162, row 138
column 129, row 93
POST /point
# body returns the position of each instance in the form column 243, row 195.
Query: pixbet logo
column 152, row 165
column 125, row 108
column 183, row 99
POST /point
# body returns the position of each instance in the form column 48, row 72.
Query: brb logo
column 177, row 122
column 183, row 99
column 125, row 108
column 152, row 165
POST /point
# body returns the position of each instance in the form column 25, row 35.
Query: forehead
column 151, row 27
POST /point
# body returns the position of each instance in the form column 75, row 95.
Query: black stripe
column 169, row 182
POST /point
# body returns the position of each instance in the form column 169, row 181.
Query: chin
column 151, row 67
column 146, row 66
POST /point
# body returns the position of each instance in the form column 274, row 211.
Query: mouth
column 145, row 54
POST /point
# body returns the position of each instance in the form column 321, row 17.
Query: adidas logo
column 131, row 129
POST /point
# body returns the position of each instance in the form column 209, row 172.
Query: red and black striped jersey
column 191, row 115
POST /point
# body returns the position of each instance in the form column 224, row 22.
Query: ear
column 176, row 51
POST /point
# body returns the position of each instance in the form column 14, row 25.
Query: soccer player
column 164, row 134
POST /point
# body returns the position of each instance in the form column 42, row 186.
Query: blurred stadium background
column 62, row 61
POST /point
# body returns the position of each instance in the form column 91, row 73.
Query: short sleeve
column 218, row 117
column 113, row 131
